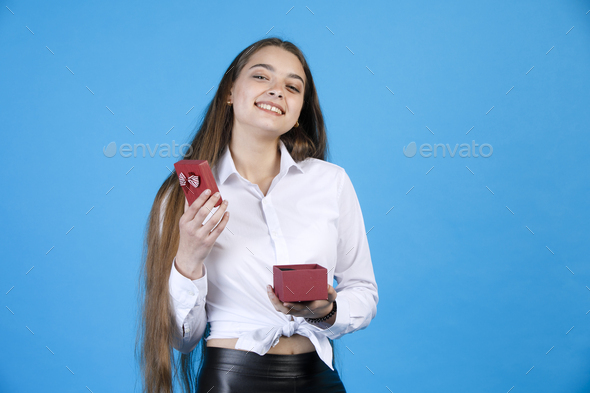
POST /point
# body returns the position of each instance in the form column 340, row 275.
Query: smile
column 269, row 108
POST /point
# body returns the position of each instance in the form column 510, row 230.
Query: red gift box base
column 301, row 283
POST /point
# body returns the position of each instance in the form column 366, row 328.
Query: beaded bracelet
column 324, row 318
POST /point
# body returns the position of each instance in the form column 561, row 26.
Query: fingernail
column 207, row 191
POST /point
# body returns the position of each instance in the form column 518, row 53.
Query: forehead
column 283, row 62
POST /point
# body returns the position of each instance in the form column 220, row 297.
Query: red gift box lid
column 196, row 176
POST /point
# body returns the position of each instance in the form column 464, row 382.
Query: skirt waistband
column 268, row 365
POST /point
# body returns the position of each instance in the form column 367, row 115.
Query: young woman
column 208, row 278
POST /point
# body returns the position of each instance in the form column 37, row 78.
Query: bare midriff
column 286, row 346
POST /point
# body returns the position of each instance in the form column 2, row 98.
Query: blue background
column 482, row 263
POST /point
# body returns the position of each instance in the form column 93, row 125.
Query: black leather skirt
column 228, row 370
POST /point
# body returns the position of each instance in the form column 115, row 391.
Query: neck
column 255, row 159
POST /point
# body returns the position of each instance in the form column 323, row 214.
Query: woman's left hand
column 310, row 309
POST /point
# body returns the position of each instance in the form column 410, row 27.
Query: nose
column 275, row 89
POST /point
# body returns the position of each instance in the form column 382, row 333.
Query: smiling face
column 275, row 77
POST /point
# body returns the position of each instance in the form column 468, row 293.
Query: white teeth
column 270, row 108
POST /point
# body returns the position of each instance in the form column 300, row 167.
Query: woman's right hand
column 196, row 239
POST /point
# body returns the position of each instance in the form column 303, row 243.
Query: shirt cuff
column 338, row 329
column 188, row 293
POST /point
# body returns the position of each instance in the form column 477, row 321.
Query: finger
column 291, row 308
column 221, row 226
column 298, row 305
column 277, row 303
column 332, row 294
column 197, row 204
column 207, row 208
column 291, row 311
column 273, row 298
column 186, row 206
column 295, row 308
column 212, row 201
column 208, row 226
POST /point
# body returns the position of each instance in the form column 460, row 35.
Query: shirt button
column 264, row 202
column 187, row 330
column 191, row 293
column 274, row 233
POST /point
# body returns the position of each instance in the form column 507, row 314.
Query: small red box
column 195, row 176
column 300, row 283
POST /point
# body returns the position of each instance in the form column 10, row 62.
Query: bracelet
column 324, row 318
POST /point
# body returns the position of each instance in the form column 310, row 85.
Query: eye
column 291, row 87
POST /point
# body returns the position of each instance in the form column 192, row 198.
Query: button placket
column 272, row 221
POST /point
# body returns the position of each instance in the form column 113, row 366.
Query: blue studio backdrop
column 463, row 125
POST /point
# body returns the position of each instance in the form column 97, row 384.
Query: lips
column 271, row 104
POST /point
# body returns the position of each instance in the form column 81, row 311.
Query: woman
column 208, row 279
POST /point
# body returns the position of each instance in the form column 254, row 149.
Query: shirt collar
column 226, row 165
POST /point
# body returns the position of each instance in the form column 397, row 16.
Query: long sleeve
column 188, row 300
column 357, row 289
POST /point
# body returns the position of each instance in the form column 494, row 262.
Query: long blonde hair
column 155, row 334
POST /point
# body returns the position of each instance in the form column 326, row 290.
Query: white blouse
column 310, row 214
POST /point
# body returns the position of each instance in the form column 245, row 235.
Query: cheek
column 245, row 98
column 295, row 109
column 244, row 106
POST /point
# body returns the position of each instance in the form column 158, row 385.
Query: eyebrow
column 271, row 68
